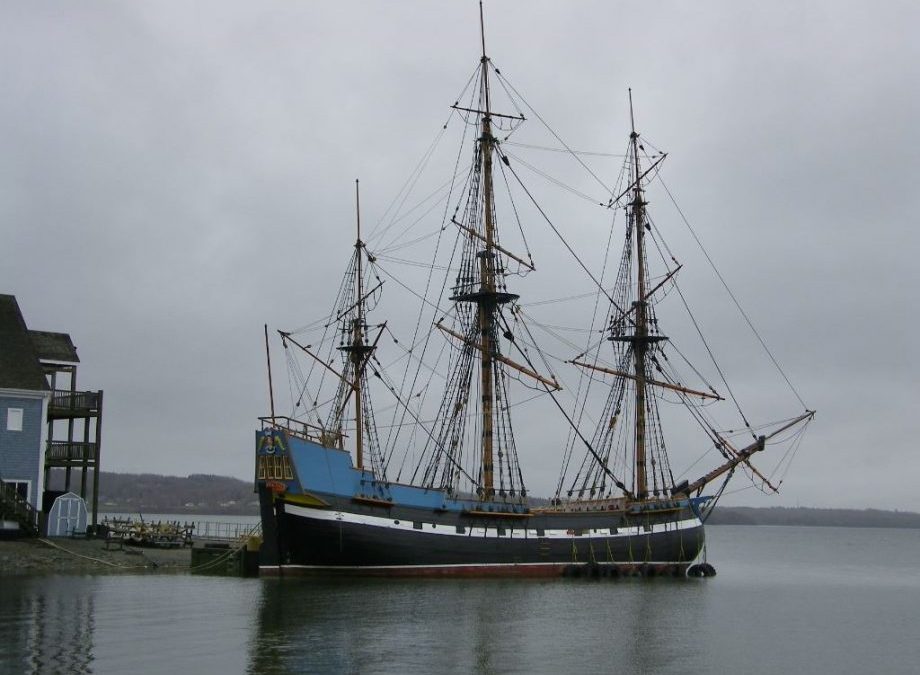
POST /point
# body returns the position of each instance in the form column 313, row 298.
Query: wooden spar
column 666, row 279
column 368, row 349
column 633, row 185
column 271, row 389
column 742, row 456
column 474, row 233
column 503, row 359
column 492, row 114
column 287, row 337
column 753, row 468
column 355, row 304
column 626, row 312
column 656, row 383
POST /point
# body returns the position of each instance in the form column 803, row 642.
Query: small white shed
column 67, row 516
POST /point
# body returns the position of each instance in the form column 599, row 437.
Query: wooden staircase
column 13, row 507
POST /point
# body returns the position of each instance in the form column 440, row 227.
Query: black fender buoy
column 701, row 570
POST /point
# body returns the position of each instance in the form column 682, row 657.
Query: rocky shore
column 87, row 556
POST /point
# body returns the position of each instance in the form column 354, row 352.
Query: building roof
column 54, row 346
column 19, row 366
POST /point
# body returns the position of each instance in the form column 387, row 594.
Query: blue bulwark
column 314, row 468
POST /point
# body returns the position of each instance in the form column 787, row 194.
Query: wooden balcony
column 74, row 404
column 70, row 453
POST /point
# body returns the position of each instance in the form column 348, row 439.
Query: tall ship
column 399, row 456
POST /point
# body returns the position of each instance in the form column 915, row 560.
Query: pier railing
column 220, row 531
column 177, row 531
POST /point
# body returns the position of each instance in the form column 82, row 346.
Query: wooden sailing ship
column 330, row 502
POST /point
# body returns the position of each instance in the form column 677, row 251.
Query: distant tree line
column 153, row 493
column 778, row 515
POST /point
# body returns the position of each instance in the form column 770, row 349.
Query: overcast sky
column 173, row 175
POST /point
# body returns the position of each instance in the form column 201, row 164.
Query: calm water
column 786, row 600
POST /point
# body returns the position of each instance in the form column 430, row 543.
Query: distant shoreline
column 801, row 516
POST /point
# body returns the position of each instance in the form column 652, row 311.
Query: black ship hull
column 362, row 539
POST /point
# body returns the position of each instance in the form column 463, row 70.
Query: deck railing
column 64, row 401
column 70, row 451
column 304, row 430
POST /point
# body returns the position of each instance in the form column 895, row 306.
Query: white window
column 22, row 487
column 14, row 419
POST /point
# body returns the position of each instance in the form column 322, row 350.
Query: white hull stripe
column 493, row 532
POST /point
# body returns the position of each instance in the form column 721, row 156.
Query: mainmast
column 640, row 341
column 487, row 303
column 480, row 292
column 487, row 296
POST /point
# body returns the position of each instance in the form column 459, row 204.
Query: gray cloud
column 172, row 177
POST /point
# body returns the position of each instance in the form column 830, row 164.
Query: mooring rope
column 86, row 557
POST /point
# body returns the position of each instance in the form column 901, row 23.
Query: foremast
column 633, row 330
column 635, row 333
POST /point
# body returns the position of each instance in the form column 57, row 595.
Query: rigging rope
column 555, row 135
column 731, row 295
column 558, row 233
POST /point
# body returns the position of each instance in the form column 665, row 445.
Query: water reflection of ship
column 335, row 626
column 492, row 626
